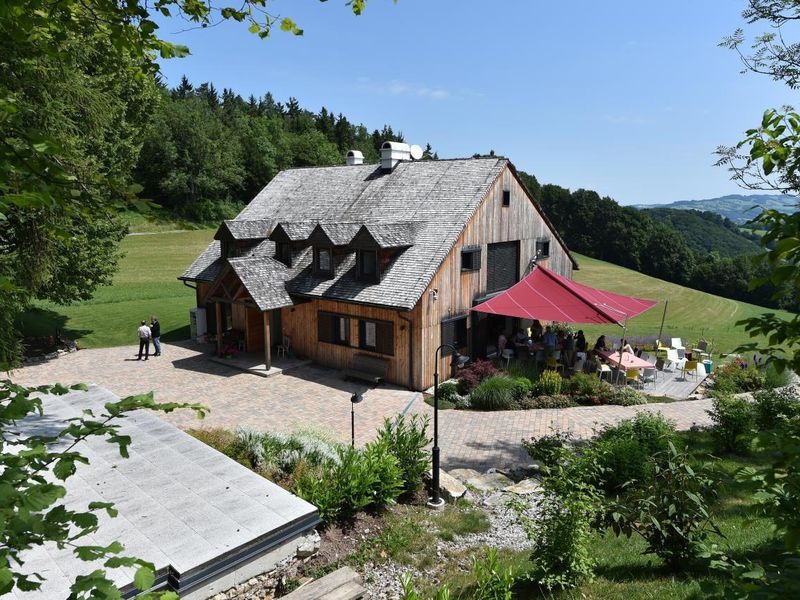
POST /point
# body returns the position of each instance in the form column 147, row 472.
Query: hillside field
column 691, row 314
column 146, row 285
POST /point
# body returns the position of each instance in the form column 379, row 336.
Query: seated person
column 536, row 330
column 521, row 337
column 626, row 347
column 600, row 344
column 502, row 342
column 580, row 341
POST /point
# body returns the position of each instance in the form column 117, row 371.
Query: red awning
column 548, row 296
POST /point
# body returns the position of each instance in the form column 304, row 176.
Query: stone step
column 342, row 584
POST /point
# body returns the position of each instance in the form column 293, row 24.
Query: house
column 384, row 260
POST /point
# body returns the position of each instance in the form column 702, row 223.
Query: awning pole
column 622, row 343
column 661, row 329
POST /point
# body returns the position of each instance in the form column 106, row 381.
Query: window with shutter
column 502, row 266
column 471, row 258
column 367, row 266
column 323, row 262
column 376, row 336
column 543, row 248
column 454, row 333
column 333, row 328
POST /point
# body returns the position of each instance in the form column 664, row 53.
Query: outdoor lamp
column 456, row 362
column 354, row 399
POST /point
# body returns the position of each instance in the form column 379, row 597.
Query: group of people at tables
column 540, row 342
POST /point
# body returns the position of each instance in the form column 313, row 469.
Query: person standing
column 144, row 340
column 155, row 333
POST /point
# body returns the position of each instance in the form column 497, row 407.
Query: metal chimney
column 392, row 153
column 354, row 157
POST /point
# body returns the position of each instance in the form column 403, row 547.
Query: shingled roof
column 419, row 207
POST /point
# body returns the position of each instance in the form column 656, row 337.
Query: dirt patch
column 339, row 541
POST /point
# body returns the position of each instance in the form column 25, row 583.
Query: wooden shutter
column 454, row 332
column 385, row 337
column 325, row 327
column 502, row 266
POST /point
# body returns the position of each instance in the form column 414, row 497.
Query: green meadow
column 147, row 284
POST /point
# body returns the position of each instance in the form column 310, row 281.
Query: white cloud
column 397, row 87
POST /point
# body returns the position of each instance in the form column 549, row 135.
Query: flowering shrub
column 471, row 375
column 548, row 384
column 229, row 351
column 737, row 376
column 585, row 388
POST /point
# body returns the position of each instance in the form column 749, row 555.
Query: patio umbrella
column 548, row 296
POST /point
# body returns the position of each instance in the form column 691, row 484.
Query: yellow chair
column 551, row 363
column 633, row 376
column 688, row 366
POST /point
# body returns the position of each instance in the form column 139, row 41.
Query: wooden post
column 267, row 341
column 218, row 310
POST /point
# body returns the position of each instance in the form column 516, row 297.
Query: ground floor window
column 333, row 328
column 454, row 333
column 376, row 336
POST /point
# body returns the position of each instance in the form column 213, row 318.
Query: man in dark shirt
column 155, row 333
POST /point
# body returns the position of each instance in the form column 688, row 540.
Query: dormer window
column 283, row 253
column 367, row 266
column 542, row 248
column 323, row 262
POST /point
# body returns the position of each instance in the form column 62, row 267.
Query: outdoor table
column 629, row 361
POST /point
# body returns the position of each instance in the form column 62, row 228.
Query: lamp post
column 457, row 361
column 354, row 399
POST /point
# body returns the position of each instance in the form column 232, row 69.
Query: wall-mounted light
column 434, row 293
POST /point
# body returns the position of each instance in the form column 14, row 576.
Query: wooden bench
column 369, row 368
column 342, row 584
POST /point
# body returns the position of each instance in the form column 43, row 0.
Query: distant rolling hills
column 736, row 207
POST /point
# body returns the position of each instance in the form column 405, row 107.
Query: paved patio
column 319, row 398
column 309, row 397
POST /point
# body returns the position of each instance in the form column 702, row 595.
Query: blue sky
column 628, row 98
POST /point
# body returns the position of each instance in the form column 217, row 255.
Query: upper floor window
column 506, row 198
column 367, row 265
column 283, row 253
column 323, row 261
column 471, row 258
column 542, row 248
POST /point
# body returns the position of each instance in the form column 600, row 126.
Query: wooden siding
column 254, row 330
column 300, row 324
column 456, row 291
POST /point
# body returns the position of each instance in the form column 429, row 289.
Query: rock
column 450, row 487
column 464, row 474
column 526, row 486
column 496, row 499
column 51, row 355
column 309, row 547
column 488, row 482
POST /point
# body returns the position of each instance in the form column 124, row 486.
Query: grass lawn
column 145, row 285
column 691, row 314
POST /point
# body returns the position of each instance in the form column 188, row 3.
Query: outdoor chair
column 285, row 346
column 632, row 376
column 674, row 360
column 553, row 363
column 508, row 354
column 681, row 352
column 602, row 370
column 702, row 350
column 659, row 364
column 689, row 366
column 649, row 375
column 677, row 344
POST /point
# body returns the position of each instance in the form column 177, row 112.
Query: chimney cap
column 355, row 154
column 398, row 146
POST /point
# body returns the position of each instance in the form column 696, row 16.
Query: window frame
column 317, row 269
column 380, row 347
column 536, row 247
column 506, row 198
column 459, row 343
column 472, row 251
column 335, row 328
column 361, row 275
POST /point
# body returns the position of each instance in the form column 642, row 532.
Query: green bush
column 406, row 439
column 523, row 368
column 774, row 378
column 775, row 406
column 588, row 389
column 494, row 393
column 492, row 580
column 549, row 449
column 548, row 384
column 733, row 421
column 368, row 478
column 626, row 396
column 736, row 377
column 624, row 452
column 560, row 401
column 448, row 392
column 670, row 512
column 522, row 388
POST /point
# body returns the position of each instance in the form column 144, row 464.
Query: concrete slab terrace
column 205, row 521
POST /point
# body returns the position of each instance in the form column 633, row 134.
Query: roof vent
column 354, row 157
column 392, row 153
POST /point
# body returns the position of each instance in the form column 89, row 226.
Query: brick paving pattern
column 319, row 398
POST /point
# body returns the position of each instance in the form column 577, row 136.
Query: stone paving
column 310, row 397
column 319, row 398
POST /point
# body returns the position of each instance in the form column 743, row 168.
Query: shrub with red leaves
column 470, row 376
